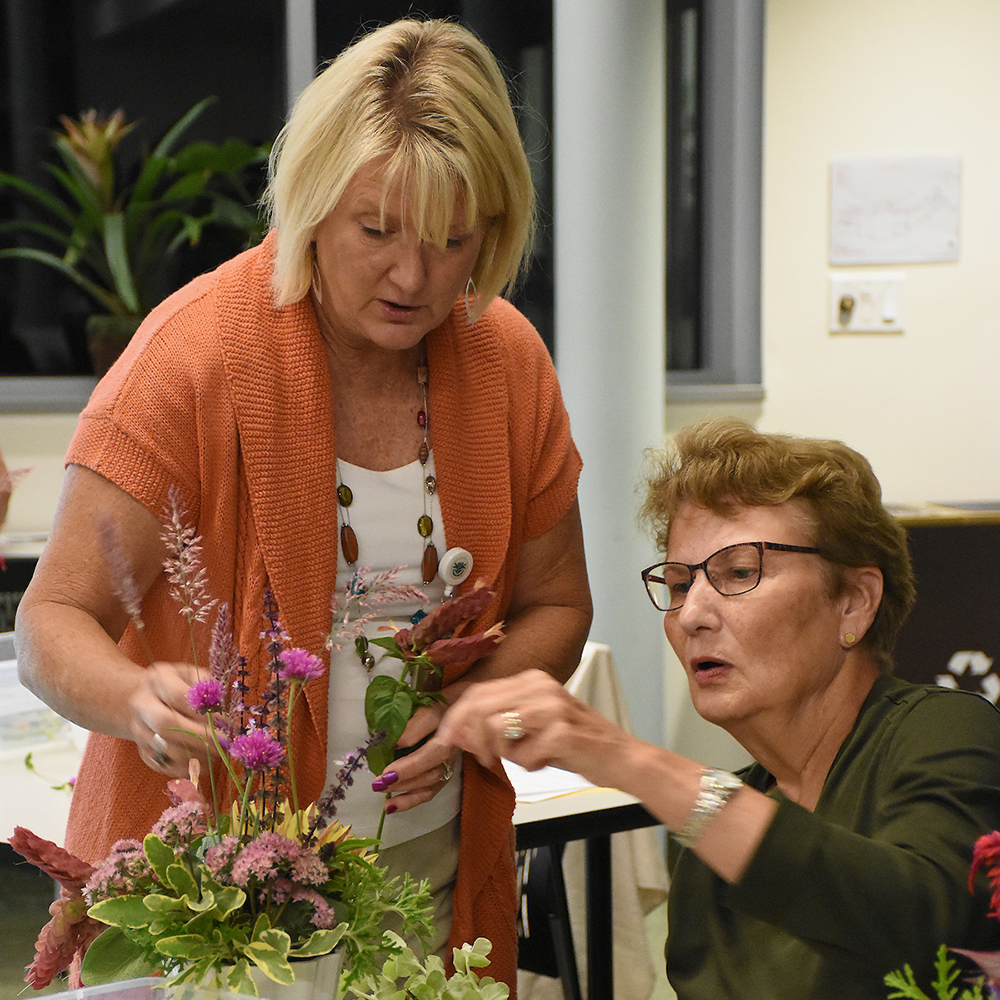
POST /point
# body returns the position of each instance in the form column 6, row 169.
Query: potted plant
column 115, row 236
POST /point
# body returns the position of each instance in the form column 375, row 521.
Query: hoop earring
column 317, row 279
column 468, row 311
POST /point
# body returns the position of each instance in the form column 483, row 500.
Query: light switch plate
column 867, row 302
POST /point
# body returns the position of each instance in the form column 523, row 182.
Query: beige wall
column 36, row 442
column 883, row 78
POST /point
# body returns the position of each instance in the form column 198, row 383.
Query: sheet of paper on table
column 545, row 783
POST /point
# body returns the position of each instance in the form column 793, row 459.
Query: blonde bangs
column 432, row 186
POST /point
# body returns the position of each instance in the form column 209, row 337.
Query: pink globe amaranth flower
column 300, row 665
column 205, row 696
column 257, row 751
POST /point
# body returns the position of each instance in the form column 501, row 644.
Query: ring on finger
column 160, row 756
column 448, row 771
column 513, row 726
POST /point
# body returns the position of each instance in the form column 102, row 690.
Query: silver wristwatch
column 716, row 788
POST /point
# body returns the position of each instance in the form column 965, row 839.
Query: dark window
column 155, row 59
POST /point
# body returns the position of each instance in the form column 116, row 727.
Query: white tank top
column 384, row 515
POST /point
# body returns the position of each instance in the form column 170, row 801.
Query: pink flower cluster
column 280, row 869
column 120, row 873
column 180, row 824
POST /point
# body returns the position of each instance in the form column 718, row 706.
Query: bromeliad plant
column 985, row 856
column 111, row 235
column 211, row 893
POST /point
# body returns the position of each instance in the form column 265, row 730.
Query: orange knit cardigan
column 228, row 398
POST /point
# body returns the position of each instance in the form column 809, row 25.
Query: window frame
column 730, row 140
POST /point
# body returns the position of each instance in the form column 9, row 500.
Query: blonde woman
column 360, row 354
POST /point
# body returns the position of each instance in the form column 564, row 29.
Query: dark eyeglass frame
column 692, row 568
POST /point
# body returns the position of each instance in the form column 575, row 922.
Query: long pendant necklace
column 425, row 524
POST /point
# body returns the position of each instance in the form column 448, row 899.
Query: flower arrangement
column 212, row 894
column 986, row 856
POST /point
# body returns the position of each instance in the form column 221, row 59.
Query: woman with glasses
column 843, row 851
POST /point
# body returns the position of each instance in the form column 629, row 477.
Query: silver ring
column 160, row 756
column 448, row 771
column 513, row 727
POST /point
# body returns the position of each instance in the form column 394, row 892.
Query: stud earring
column 850, row 638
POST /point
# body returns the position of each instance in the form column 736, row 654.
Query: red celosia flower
column 70, row 930
column 986, row 854
column 433, row 635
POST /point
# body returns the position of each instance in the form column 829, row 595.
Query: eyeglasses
column 734, row 570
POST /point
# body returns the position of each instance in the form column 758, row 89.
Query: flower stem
column 381, row 821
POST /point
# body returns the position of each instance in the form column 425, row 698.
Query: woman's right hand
column 166, row 730
column 534, row 721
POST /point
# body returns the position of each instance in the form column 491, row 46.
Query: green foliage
column 391, row 701
column 110, row 238
column 905, row 985
column 404, row 976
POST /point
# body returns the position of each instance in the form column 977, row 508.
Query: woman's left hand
column 420, row 775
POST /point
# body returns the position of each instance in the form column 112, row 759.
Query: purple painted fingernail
column 390, row 808
column 381, row 783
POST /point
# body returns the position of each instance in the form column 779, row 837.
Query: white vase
column 315, row 979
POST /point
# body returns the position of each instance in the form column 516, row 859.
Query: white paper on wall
column 894, row 210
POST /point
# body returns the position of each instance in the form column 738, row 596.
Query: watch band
column 716, row 788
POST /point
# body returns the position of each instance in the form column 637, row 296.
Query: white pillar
column 300, row 47
column 609, row 279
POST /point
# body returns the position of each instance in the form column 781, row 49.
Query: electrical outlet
column 867, row 303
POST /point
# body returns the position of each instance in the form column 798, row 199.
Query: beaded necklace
column 425, row 524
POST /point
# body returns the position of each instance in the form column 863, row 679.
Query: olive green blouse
column 874, row 878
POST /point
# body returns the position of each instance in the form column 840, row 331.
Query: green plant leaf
column 157, row 902
column 110, row 301
column 187, row 946
column 113, row 957
column 274, row 964
column 389, row 644
column 158, row 855
column 389, row 706
column 116, row 250
column 166, row 144
column 182, row 881
column 185, row 188
column 320, row 942
column 123, row 911
column 39, row 196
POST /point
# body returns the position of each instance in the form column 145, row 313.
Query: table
column 591, row 815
